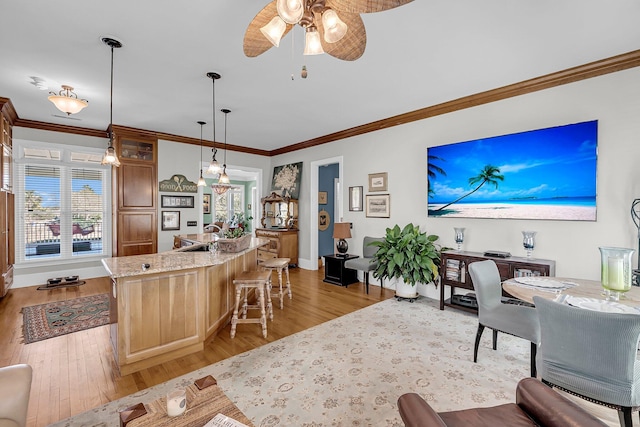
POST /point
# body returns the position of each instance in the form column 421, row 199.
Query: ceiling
column 420, row 54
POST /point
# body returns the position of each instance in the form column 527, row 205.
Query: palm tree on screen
column 432, row 170
column 489, row 174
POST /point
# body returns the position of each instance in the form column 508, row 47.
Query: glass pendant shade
column 224, row 178
column 274, row 30
column 67, row 101
column 110, row 157
column 312, row 45
column 214, row 167
column 201, row 182
column 220, row 189
column 290, row 10
column 334, row 27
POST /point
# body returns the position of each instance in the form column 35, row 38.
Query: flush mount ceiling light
column 110, row 157
column 201, row 181
column 67, row 101
column 331, row 26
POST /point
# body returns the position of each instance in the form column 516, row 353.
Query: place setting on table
column 614, row 293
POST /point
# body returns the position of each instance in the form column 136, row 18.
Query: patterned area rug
column 63, row 317
column 349, row 372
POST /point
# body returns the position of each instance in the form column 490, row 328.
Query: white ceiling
column 421, row 54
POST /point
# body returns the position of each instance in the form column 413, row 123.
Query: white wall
column 613, row 99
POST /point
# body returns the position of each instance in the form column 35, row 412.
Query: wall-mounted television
column 545, row 174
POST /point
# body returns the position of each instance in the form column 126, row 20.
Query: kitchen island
column 166, row 305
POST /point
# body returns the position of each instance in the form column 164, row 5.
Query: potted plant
column 235, row 239
column 407, row 256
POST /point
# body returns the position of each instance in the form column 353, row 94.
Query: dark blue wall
column 326, row 176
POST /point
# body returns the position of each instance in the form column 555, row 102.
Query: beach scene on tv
column 539, row 174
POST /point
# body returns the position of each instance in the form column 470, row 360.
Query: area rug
column 350, row 371
column 53, row 319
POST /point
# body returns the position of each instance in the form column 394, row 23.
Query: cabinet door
column 137, row 186
column 136, row 233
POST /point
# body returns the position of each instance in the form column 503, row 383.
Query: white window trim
column 19, row 161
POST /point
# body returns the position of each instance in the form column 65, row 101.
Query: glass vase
column 459, row 236
column 615, row 271
column 528, row 241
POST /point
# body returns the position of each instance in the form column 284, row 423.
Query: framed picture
column 286, row 180
column 324, row 220
column 206, row 203
column 378, row 206
column 322, row 197
column 171, row 220
column 177, row 201
column 355, row 199
column 378, row 181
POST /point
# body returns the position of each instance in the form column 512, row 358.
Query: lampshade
column 220, row 189
column 67, row 101
column 224, row 178
column 342, row 230
column 334, row 27
column 274, row 30
column 214, row 166
column 312, row 45
column 110, row 157
column 290, row 10
column 201, row 181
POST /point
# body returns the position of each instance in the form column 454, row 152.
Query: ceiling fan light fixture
column 312, row 45
column 274, row 30
column 290, row 10
column 67, row 101
column 334, row 27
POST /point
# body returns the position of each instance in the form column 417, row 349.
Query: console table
column 335, row 272
column 453, row 271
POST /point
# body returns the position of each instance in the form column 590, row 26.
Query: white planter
column 404, row 290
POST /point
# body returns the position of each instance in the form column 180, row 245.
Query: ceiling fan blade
column 365, row 6
column 352, row 45
column 254, row 42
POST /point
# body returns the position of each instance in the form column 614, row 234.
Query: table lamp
column 341, row 231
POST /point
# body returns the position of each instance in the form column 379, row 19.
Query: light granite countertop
column 170, row 261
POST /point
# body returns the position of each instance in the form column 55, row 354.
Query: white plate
column 540, row 282
column 600, row 305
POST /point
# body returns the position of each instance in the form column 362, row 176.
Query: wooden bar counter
column 170, row 308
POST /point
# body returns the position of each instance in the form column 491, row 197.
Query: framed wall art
column 286, row 180
column 176, row 201
column 378, row 206
column 206, row 203
column 378, row 181
column 355, row 199
column 171, row 220
column 322, row 197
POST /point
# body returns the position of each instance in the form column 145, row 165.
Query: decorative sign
column 178, row 184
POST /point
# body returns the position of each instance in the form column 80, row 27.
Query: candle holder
column 459, row 236
column 528, row 241
column 615, row 271
column 177, row 402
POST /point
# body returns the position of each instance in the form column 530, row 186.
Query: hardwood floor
column 76, row 372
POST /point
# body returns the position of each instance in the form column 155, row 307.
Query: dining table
column 550, row 288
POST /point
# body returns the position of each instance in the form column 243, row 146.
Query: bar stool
column 278, row 264
column 244, row 282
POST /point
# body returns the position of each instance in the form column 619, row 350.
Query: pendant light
column 223, row 184
column 214, row 166
column 110, row 157
column 67, row 101
column 201, row 181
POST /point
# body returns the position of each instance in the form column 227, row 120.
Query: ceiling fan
column 332, row 26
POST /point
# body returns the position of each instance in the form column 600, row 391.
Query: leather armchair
column 536, row 405
column 15, row 386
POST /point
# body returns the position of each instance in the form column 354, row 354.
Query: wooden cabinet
column 283, row 243
column 454, row 271
column 7, row 198
column 335, row 272
column 135, row 185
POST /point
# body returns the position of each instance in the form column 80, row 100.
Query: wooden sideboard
column 283, row 243
column 454, row 272
column 7, row 197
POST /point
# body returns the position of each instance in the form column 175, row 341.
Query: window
column 229, row 204
column 62, row 203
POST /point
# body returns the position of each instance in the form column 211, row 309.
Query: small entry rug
column 63, row 317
